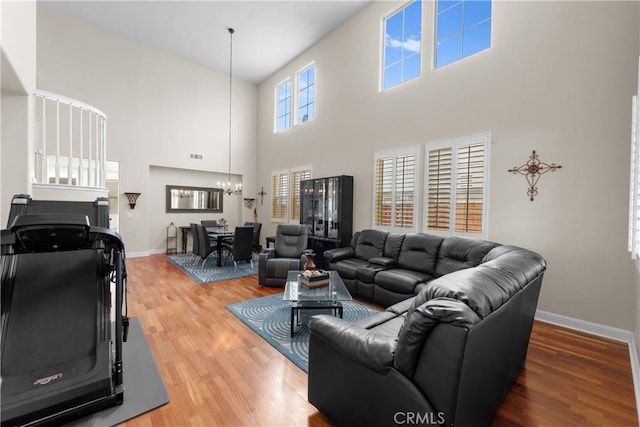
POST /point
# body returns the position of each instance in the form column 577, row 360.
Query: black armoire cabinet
column 327, row 209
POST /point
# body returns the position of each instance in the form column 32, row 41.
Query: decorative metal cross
column 261, row 193
column 532, row 170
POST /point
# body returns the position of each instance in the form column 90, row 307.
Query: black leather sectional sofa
column 447, row 349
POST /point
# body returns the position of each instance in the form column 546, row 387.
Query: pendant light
column 226, row 186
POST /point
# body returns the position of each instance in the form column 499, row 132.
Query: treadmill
column 61, row 352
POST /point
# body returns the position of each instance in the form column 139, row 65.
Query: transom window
column 283, row 106
column 306, row 94
column 463, row 27
column 402, row 45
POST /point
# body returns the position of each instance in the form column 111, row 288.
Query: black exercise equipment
column 61, row 351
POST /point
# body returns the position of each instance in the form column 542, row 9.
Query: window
column 285, row 190
column 462, row 28
column 402, row 45
column 634, row 186
column 297, row 175
column 283, row 106
column 456, row 183
column 279, row 192
column 395, row 189
column 306, row 94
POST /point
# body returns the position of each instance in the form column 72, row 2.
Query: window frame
column 434, row 60
column 634, row 187
column 276, row 115
column 455, row 144
column 395, row 154
column 297, row 92
column 383, row 43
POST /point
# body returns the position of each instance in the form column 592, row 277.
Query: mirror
column 194, row 199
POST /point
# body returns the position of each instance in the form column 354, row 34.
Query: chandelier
column 226, row 186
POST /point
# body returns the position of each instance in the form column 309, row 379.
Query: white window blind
column 297, row 175
column 285, row 188
column 456, row 188
column 439, row 189
column 395, row 187
column 280, row 192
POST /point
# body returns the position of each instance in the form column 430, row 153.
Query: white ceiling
column 268, row 34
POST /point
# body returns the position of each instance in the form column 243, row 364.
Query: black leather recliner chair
column 274, row 263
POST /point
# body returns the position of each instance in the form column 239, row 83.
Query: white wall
column 18, row 70
column 159, row 178
column 558, row 79
column 160, row 108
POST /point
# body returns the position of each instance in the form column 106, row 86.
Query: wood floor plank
column 218, row 372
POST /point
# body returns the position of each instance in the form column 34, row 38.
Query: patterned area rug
column 270, row 318
column 209, row 272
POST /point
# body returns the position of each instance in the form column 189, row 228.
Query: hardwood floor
column 219, row 373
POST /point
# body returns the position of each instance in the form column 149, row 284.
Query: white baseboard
column 603, row 331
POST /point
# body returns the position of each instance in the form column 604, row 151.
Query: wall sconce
column 248, row 202
column 133, row 198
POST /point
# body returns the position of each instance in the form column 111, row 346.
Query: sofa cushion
column 401, row 280
column 457, row 253
column 420, row 252
column 393, row 245
column 370, row 244
column 348, row 268
column 367, row 273
column 484, row 290
column 420, row 321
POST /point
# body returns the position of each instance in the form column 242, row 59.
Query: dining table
column 220, row 236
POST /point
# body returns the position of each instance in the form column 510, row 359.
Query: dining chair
column 195, row 251
column 255, row 242
column 205, row 245
column 241, row 249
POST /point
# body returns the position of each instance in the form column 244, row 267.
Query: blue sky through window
column 402, row 45
column 462, row 28
column 306, row 94
column 283, row 121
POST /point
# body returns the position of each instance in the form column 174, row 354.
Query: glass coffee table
column 328, row 297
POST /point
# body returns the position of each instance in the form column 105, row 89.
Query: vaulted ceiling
column 268, row 34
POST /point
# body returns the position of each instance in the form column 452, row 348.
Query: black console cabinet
column 327, row 209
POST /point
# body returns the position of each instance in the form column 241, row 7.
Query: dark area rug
column 143, row 386
column 209, row 272
column 270, row 317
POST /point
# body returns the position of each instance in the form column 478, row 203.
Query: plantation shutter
column 404, row 190
column 439, row 189
column 296, row 177
column 470, row 188
column 383, row 191
column 280, row 192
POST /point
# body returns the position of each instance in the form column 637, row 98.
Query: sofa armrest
column 262, row 265
column 383, row 261
column 337, row 254
column 365, row 347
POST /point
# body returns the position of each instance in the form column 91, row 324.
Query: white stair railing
column 70, row 142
